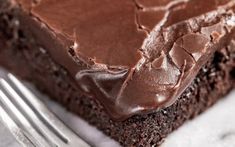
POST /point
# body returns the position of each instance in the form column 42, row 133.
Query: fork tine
column 32, row 117
column 48, row 116
column 14, row 129
column 34, row 137
column 36, row 103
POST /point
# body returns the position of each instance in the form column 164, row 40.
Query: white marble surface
column 214, row 128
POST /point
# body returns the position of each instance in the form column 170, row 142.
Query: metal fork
column 30, row 121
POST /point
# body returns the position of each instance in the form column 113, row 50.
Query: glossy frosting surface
column 134, row 56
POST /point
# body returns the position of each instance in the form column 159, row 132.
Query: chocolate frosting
column 133, row 56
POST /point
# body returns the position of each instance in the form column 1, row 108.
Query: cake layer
column 24, row 55
column 125, row 54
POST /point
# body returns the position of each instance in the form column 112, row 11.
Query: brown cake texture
column 25, row 55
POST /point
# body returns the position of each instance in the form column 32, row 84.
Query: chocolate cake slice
column 135, row 69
